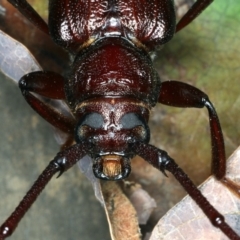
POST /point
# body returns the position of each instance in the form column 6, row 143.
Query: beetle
column 141, row 132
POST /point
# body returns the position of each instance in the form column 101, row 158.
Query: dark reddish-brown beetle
column 110, row 89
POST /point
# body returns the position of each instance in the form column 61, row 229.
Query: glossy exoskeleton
column 110, row 90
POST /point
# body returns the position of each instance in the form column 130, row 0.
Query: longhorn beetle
column 110, row 89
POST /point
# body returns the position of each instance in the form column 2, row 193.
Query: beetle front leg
column 47, row 84
column 51, row 86
column 61, row 163
column 179, row 94
column 160, row 160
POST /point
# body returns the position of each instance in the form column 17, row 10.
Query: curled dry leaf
column 187, row 221
column 15, row 59
column 122, row 216
column 141, row 200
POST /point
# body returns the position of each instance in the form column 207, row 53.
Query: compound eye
column 93, row 120
column 88, row 124
column 137, row 125
column 131, row 120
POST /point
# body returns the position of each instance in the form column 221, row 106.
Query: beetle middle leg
column 179, row 94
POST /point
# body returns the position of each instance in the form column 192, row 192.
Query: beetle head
column 111, row 126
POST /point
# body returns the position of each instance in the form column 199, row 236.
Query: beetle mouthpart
column 111, row 167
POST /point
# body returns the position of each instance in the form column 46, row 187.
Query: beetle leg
column 61, row 163
column 193, row 12
column 47, row 84
column 54, row 117
column 26, row 9
column 179, row 94
column 160, row 160
column 51, row 86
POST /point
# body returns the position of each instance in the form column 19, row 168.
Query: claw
column 60, row 165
